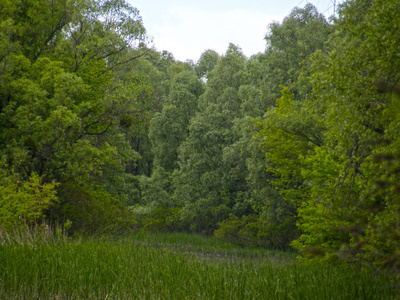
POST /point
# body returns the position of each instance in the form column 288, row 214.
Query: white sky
column 187, row 28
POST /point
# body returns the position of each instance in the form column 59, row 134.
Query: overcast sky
column 187, row 28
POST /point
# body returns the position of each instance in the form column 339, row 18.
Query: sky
column 187, row 28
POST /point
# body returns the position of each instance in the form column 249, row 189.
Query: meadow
column 169, row 266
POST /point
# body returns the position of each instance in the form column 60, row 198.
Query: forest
column 293, row 149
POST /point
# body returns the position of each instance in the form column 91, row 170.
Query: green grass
column 172, row 266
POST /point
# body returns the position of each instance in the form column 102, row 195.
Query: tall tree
column 207, row 62
column 202, row 181
column 289, row 44
column 352, row 209
column 62, row 108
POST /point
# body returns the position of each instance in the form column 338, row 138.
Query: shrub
column 164, row 220
column 251, row 230
column 24, row 202
column 93, row 211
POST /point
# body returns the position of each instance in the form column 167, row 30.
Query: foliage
column 351, row 176
column 202, row 182
column 206, row 158
column 26, row 202
column 64, row 112
column 296, row 146
column 330, row 141
column 170, row 127
column 163, row 220
column 250, row 230
column 289, row 45
column 207, row 62
column 92, row 211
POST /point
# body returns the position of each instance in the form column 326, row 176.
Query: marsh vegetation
column 171, row 266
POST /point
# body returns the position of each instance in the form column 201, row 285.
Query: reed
column 32, row 234
column 177, row 266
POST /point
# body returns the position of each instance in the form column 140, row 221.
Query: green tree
column 170, row 127
column 203, row 182
column 207, row 62
column 289, row 45
column 290, row 128
column 63, row 112
column 288, row 133
column 353, row 197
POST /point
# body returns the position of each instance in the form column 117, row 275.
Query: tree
column 288, row 133
column 203, row 183
column 170, row 127
column 289, row 45
column 290, row 128
column 207, row 62
column 353, row 198
column 63, row 112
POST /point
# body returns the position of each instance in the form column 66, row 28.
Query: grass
column 171, row 266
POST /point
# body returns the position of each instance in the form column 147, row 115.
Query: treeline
column 294, row 147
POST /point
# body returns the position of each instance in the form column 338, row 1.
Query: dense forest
column 294, row 148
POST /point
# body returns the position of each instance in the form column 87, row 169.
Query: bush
column 24, row 202
column 251, row 230
column 92, row 211
column 164, row 220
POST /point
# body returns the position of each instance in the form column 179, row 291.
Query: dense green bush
column 92, row 210
column 24, row 202
column 163, row 220
column 251, row 230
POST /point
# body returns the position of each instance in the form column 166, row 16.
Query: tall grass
column 32, row 234
column 172, row 267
